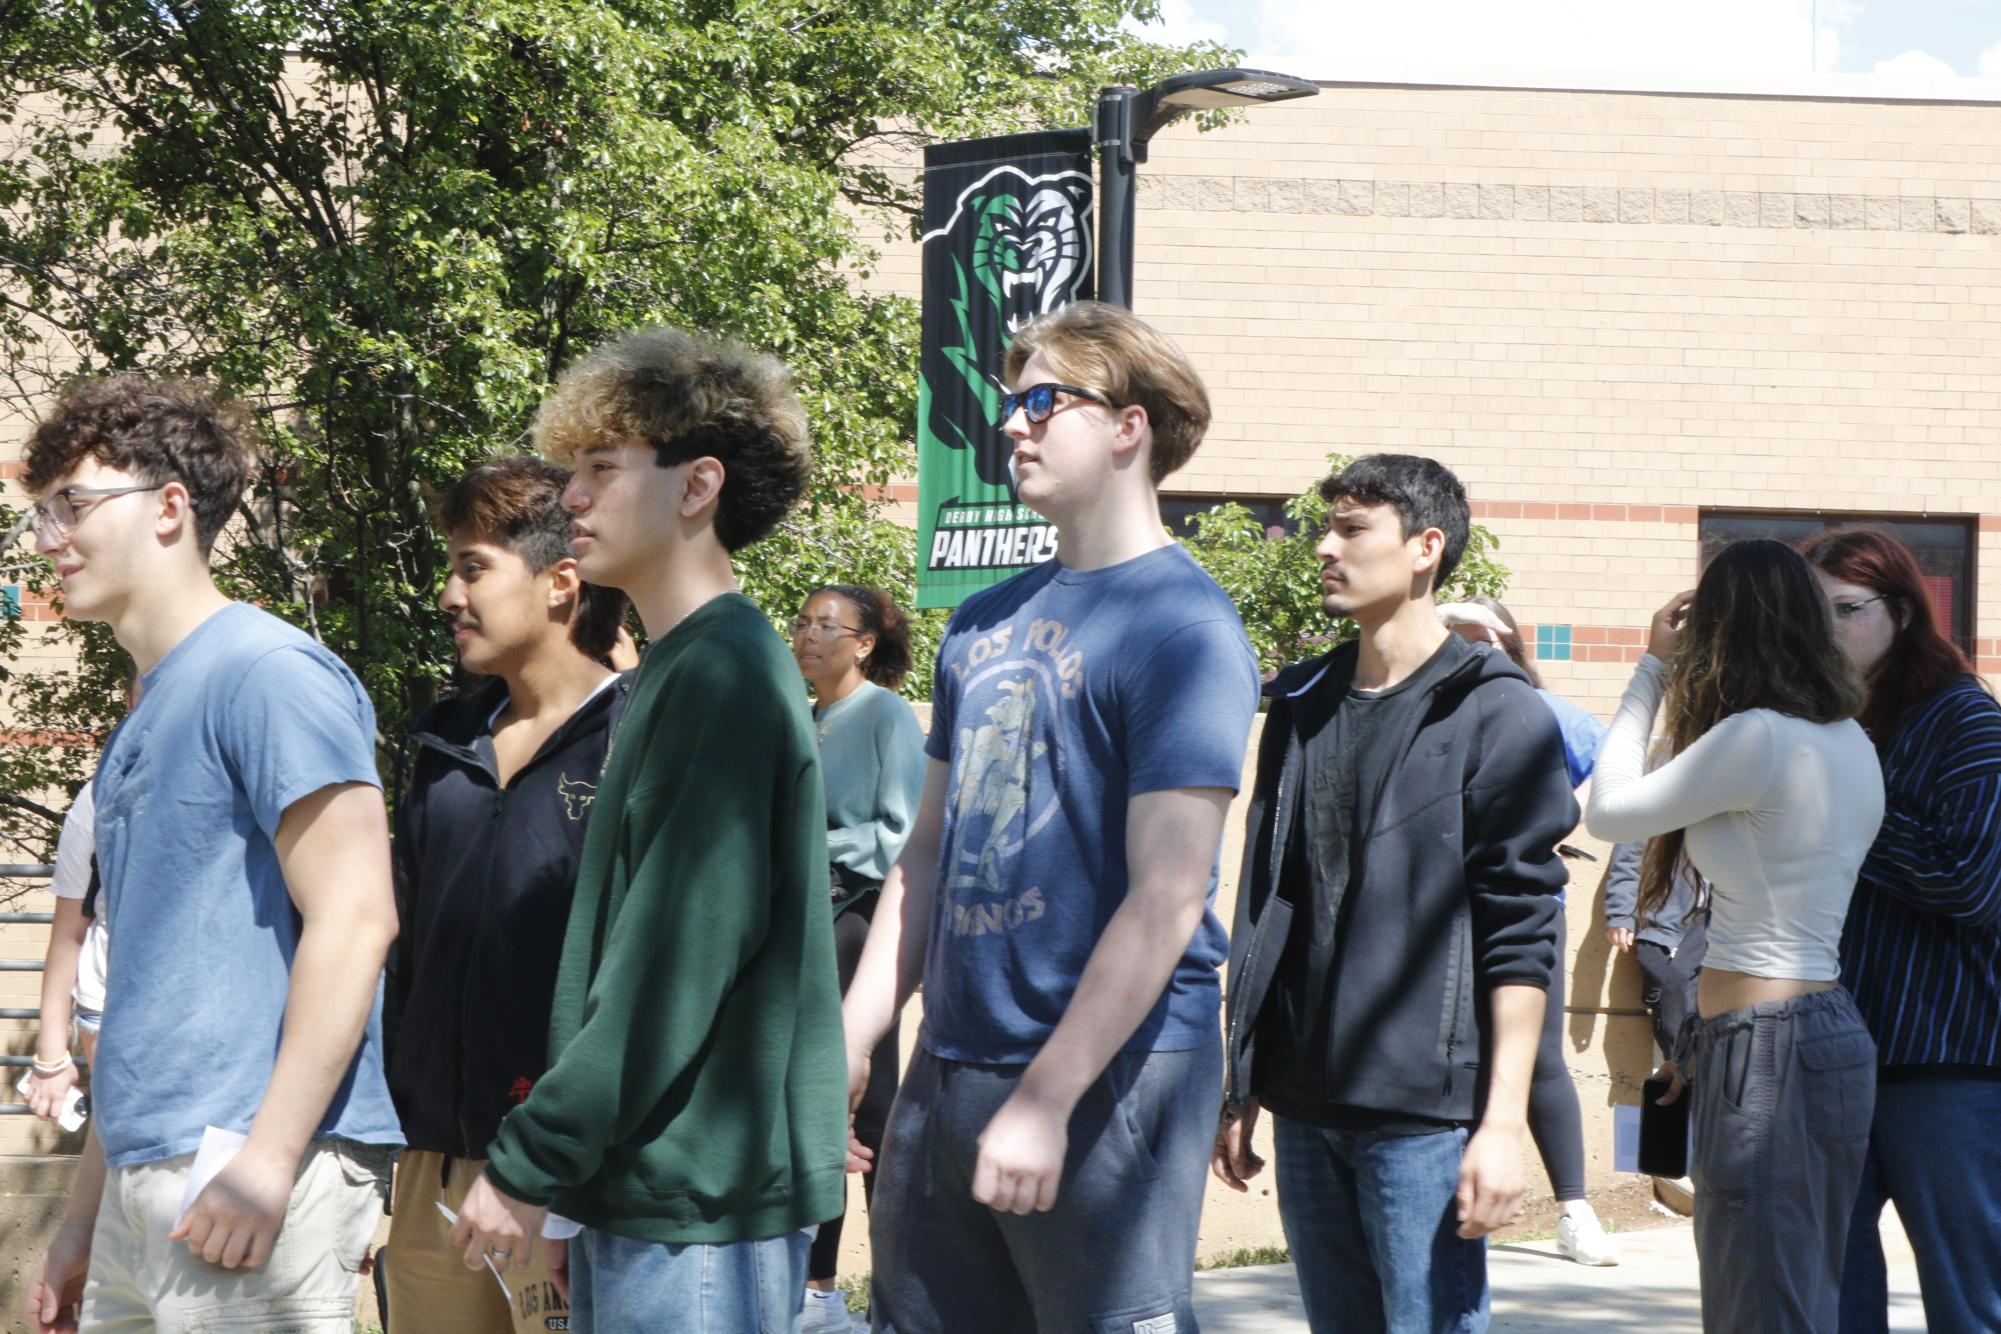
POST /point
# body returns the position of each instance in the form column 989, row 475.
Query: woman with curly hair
column 853, row 644
column 1774, row 794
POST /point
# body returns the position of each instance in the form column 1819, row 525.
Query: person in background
column 853, row 645
column 1922, row 948
column 1774, row 795
column 1556, row 1120
column 1668, row 946
column 489, row 834
column 73, row 968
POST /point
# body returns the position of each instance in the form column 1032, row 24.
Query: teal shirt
column 872, row 757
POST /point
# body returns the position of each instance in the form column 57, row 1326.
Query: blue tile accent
column 1552, row 643
column 10, row 602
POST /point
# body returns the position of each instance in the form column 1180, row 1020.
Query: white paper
column 453, row 1219
column 1625, row 1138
column 217, row 1147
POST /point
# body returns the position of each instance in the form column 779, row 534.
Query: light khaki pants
column 141, row 1281
column 430, row 1289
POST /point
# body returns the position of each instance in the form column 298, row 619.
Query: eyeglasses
column 62, row 514
column 1038, row 401
column 1848, row 611
column 802, row 627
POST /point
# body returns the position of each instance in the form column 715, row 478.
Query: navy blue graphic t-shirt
column 1060, row 695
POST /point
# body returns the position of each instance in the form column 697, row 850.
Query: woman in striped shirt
column 1922, row 948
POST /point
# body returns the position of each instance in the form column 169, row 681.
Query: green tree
column 388, row 224
column 1275, row 580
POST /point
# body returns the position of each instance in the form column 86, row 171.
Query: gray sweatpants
column 1784, row 1093
column 1116, row 1254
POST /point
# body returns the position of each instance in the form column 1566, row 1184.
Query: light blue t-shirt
column 1061, row 695
column 243, row 718
column 1582, row 733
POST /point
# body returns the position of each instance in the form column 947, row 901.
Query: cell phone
column 1664, row 1130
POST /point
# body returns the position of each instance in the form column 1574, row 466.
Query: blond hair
column 1111, row 350
column 689, row 396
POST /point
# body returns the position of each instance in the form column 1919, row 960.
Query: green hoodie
column 697, row 1087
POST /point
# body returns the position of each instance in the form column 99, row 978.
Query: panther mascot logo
column 1017, row 246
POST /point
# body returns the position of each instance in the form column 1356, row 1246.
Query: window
column 1944, row 548
column 1178, row 512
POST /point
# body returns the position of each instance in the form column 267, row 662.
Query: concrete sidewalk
column 1538, row 1292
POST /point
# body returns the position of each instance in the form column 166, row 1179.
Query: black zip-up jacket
column 1465, row 827
column 484, row 877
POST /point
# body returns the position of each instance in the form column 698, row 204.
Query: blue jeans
column 1933, row 1150
column 1374, row 1231
column 620, row 1286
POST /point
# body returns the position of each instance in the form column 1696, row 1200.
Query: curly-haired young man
column 245, row 855
column 691, row 1117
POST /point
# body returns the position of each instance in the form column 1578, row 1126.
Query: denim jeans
column 1783, row 1095
column 1932, row 1149
column 1374, row 1231
column 618, row 1285
column 1117, row 1252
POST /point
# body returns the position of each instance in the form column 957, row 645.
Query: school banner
column 1007, row 237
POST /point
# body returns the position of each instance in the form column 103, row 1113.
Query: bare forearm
column 1518, row 1012
column 334, row 972
column 892, row 962
column 86, row 1188
column 58, row 981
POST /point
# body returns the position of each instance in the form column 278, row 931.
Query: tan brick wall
column 1597, row 300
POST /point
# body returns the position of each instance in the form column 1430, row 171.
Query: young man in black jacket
column 1396, row 925
column 488, row 837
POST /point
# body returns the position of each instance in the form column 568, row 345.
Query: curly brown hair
column 690, row 396
column 889, row 661
column 517, row 503
column 160, row 431
column 1759, row 635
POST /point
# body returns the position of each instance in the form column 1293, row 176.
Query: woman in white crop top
column 1774, row 794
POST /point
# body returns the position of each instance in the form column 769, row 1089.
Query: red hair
column 1921, row 660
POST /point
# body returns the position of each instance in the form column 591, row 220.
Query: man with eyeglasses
column 244, row 854
column 1043, row 1164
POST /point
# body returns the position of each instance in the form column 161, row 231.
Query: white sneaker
column 1584, row 1240
column 826, row 1315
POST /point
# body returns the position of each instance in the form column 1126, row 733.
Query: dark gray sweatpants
column 1784, row 1093
column 1117, row 1253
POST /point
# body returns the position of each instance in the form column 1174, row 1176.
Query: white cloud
column 1178, row 25
column 1915, row 65
column 1311, row 37
column 1990, row 62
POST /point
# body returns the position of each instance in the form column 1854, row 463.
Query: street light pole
column 1126, row 122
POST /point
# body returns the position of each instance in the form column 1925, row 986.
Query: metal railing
column 30, row 871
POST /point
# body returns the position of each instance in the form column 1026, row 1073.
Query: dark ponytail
column 889, row 661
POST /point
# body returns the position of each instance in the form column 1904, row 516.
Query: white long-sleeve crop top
column 1778, row 811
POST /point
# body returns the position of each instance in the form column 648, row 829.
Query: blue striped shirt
column 1922, row 948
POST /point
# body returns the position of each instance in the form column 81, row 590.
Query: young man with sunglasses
column 1043, row 1164
column 244, row 854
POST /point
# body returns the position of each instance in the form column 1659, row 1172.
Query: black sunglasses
column 1039, row 400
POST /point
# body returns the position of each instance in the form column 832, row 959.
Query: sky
column 1779, row 38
